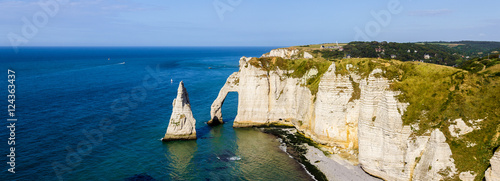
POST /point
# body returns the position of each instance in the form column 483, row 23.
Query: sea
column 98, row 113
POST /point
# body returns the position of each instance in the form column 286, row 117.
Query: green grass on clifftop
column 438, row 95
column 299, row 66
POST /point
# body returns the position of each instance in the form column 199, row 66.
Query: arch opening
column 230, row 107
column 216, row 108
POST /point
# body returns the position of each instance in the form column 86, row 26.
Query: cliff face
column 493, row 173
column 182, row 123
column 264, row 97
column 288, row 53
column 282, row 52
column 356, row 116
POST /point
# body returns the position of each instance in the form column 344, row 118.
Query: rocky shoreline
column 321, row 165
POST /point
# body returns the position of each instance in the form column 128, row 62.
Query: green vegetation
column 442, row 53
column 277, row 125
column 444, row 172
column 439, row 54
column 360, row 66
column 357, row 91
column 319, row 45
column 471, row 48
column 175, row 123
column 417, row 159
column 478, row 64
column 299, row 67
column 438, row 94
column 329, row 54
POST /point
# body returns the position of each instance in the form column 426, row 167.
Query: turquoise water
column 64, row 93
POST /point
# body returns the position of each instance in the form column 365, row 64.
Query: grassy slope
column 300, row 67
column 438, row 94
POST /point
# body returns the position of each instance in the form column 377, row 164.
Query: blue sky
column 243, row 22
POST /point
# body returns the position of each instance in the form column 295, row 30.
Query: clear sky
column 243, row 22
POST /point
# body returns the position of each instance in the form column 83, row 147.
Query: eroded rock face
column 459, row 128
column 382, row 136
column 182, row 124
column 282, row 52
column 359, row 115
column 264, row 98
column 336, row 113
column 493, row 173
column 435, row 158
column 308, row 55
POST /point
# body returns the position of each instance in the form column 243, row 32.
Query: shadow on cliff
column 214, row 122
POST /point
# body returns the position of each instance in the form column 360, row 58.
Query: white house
column 427, row 56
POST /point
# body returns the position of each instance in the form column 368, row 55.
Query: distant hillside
column 471, row 48
column 486, row 64
column 443, row 53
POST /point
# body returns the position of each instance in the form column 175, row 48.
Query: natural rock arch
column 215, row 111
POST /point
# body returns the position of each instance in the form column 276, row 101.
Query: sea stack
column 182, row 125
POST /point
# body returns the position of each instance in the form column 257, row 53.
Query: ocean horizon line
column 228, row 46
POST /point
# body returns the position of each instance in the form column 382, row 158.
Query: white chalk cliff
column 282, row 52
column 360, row 117
column 287, row 53
column 182, row 123
column 493, row 173
column 308, row 55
